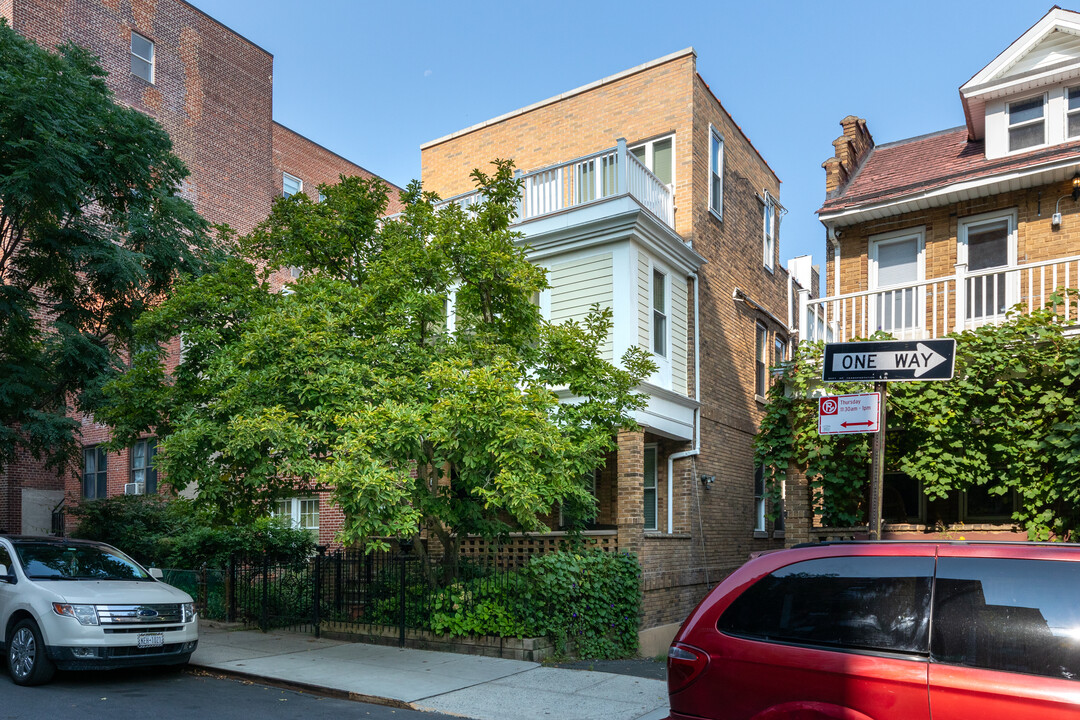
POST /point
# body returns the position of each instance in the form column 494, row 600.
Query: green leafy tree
column 92, row 233
column 1009, row 422
column 352, row 379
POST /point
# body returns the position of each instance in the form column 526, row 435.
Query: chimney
column 850, row 149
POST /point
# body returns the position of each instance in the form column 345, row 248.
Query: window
column 95, row 473
column 142, row 57
column 1006, row 614
column 322, row 196
column 761, row 362
column 987, row 242
column 759, row 499
column 716, row 173
column 650, row 487
column 299, row 513
column 769, row 241
column 779, row 351
column 857, row 603
column 659, row 157
column 142, row 465
column 659, row 313
column 896, row 265
column 1027, row 127
column 290, row 185
column 1072, row 114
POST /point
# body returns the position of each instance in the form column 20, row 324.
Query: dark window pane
column 1074, row 98
column 1026, row 110
column 983, row 505
column 1013, row 615
column 1026, row 136
column 872, row 603
column 988, row 245
column 1074, row 125
column 900, row 499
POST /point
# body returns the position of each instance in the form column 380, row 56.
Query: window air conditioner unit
column 134, row 488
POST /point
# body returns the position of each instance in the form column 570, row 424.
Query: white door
column 896, row 269
column 985, row 244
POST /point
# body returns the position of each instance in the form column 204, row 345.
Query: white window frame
column 299, row 185
column 654, row 449
column 295, row 511
column 148, row 60
column 1069, row 113
column 663, row 362
column 780, row 347
column 759, row 501
column 1027, row 123
column 761, row 350
column 649, row 158
column 769, row 221
column 875, row 242
column 716, row 204
column 1012, row 279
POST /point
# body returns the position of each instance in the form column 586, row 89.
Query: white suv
column 80, row 605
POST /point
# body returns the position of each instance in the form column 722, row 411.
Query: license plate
column 151, row 640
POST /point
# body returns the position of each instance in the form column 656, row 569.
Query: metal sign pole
column 877, row 465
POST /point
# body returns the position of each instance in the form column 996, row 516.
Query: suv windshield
column 52, row 561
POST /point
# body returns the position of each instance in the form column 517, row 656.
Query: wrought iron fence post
column 337, row 582
column 316, row 615
column 401, row 603
column 230, row 590
column 264, row 619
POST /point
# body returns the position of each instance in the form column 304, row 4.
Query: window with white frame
column 142, row 465
column 1027, row 123
column 290, row 185
column 659, row 313
column 659, row 156
column 301, row 513
column 716, row 173
column 1072, row 113
column 761, row 361
column 768, row 246
column 651, row 500
column 759, row 498
column 142, row 57
column 987, row 242
column 896, row 265
column 779, row 351
column 95, row 473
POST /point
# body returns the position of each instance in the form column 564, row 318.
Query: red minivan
column 886, row 631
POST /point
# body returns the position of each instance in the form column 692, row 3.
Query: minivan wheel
column 27, row 661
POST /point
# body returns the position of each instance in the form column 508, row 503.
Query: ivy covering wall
column 1009, row 422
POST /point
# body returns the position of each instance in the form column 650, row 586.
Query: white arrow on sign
column 921, row 359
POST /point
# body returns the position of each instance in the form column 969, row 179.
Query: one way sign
column 889, row 361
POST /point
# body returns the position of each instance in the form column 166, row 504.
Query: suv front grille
column 139, row 614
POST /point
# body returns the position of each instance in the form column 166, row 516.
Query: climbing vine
column 1008, row 422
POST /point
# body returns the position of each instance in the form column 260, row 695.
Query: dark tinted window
column 1015, row 615
column 52, row 561
column 874, row 603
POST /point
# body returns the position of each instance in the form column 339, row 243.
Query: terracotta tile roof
column 895, row 170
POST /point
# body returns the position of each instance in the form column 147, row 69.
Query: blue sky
column 372, row 81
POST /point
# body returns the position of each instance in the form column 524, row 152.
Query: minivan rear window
column 1008, row 614
column 858, row 603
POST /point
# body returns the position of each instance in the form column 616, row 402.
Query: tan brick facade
column 712, row 527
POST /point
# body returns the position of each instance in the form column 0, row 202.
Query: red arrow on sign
column 868, row 423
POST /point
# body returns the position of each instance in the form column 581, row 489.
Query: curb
column 309, row 688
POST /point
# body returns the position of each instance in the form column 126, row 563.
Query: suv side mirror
column 156, row 573
column 6, row 575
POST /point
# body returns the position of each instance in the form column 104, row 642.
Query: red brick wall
column 315, row 165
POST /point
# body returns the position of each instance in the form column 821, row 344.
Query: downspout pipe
column 697, row 412
column 834, row 239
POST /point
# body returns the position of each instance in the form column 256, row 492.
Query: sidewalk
column 475, row 687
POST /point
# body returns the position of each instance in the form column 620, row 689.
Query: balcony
column 933, row 308
column 588, row 183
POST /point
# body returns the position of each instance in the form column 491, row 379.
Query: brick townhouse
column 944, row 232
column 642, row 194
column 212, row 90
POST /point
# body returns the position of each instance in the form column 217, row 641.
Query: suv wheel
column 27, row 661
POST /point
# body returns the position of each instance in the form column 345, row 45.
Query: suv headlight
column 85, row 614
column 188, row 610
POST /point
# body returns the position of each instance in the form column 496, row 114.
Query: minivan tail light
column 684, row 664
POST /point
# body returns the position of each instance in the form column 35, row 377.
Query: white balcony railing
column 593, row 178
column 590, row 179
column 933, row 308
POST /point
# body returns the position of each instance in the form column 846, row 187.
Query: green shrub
column 170, row 533
column 139, row 525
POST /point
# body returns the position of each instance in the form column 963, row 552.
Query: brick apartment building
column 642, row 194
column 212, row 90
column 945, row 232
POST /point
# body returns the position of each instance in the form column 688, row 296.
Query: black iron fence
column 345, row 587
